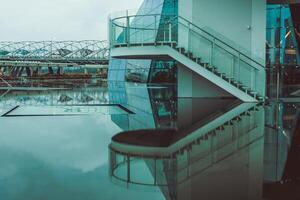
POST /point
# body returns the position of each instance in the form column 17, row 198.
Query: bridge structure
column 30, row 57
column 55, row 97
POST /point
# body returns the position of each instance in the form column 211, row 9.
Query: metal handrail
column 221, row 41
column 214, row 38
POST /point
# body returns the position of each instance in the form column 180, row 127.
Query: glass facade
column 148, row 28
column 143, row 70
column 282, row 51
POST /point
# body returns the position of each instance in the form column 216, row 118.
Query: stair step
column 230, row 79
column 220, row 128
column 180, row 49
column 204, row 64
column 260, row 97
column 229, row 123
column 223, row 75
column 213, row 69
column 253, row 92
column 196, row 60
column 245, row 114
column 237, row 83
column 190, row 55
column 210, row 68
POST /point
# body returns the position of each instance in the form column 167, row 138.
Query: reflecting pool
column 137, row 141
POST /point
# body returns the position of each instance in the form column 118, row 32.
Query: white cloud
column 58, row 19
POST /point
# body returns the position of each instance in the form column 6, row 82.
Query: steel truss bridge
column 29, row 56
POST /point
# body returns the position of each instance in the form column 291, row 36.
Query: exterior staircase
column 222, row 63
column 231, row 80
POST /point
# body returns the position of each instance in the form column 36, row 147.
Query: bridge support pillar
column 36, row 71
column 60, row 71
column 50, row 70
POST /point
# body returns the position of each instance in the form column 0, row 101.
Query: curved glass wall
column 138, row 70
column 172, row 170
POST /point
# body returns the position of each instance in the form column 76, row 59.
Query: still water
column 64, row 144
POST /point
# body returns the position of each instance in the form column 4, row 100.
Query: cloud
column 58, row 19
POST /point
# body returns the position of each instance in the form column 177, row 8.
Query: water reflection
column 206, row 148
column 240, row 150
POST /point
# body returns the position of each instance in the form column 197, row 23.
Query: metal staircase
column 231, row 80
column 223, row 59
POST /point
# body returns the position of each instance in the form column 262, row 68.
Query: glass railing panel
column 224, row 61
column 142, row 29
column 157, row 29
column 227, row 59
column 142, row 171
column 200, row 46
column 119, row 166
column 118, row 32
column 258, row 56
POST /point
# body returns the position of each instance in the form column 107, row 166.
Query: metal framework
column 87, row 51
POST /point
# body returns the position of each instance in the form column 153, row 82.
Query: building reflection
column 207, row 148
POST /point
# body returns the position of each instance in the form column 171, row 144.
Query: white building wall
column 190, row 84
column 240, row 22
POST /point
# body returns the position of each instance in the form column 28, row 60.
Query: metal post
column 128, row 169
column 127, row 29
column 252, row 78
column 212, row 149
column 112, row 33
column 170, row 31
column 155, row 172
column 189, row 37
column 239, row 67
column 277, row 85
column 212, row 52
column 155, row 30
column 232, row 67
column 164, row 32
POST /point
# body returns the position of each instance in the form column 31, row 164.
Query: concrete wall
column 239, row 176
column 239, row 22
column 191, row 84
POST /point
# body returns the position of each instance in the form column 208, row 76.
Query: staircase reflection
column 213, row 152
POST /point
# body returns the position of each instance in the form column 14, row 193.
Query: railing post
column 251, row 78
column 155, row 30
column 189, row 37
column 142, row 42
column 128, row 169
column 239, row 67
column 170, row 31
column 212, row 51
column 155, row 171
column 232, row 67
column 127, row 29
column 112, row 33
column 164, row 32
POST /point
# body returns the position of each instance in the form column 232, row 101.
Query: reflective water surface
column 65, row 144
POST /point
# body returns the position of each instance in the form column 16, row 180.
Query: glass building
column 238, row 55
column 151, row 18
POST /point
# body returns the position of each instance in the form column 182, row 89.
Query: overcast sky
column 22, row 20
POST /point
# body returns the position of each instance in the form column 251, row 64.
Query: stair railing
column 156, row 29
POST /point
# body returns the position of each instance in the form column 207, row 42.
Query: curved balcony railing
column 160, row 169
column 163, row 171
column 176, row 31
